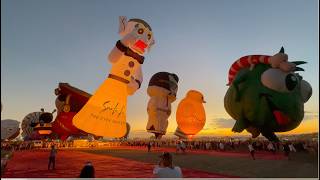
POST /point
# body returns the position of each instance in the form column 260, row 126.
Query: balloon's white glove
column 132, row 86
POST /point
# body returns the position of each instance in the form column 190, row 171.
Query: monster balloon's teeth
column 281, row 118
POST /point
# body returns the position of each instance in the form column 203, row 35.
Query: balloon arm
column 138, row 76
column 132, row 87
column 152, row 107
column 164, row 110
column 135, row 82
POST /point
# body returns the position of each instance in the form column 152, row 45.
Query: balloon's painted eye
column 140, row 31
column 291, row 81
column 278, row 80
column 149, row 36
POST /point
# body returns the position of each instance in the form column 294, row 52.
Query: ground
column 137, row 162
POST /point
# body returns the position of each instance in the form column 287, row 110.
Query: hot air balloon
column 69, row 101
column 162, row 89
column 44, row 126
column 191, row 116
column 105, row 112
column 9, row 129
column 28, row 123
column 266, row 94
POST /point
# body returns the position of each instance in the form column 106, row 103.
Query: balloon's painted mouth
column 281, row 118
column 140, row 46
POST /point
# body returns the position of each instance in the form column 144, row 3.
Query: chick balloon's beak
column 203, row 101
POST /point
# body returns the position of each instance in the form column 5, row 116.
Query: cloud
column 308, row 115
column 216, row 123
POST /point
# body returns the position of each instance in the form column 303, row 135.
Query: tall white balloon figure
column 162, row 89
column 105, row 112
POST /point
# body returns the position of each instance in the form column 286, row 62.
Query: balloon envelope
column 31, row 118
column 63, row 125
column 75, row 99
column 162, row 89
column 9, row 129
column 266, row 95
column 43, row 129
column 105, row 112
column 190, row 113
column 46, row 117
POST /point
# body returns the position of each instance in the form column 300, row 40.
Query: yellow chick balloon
column 191, row 116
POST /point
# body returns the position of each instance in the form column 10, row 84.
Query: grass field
column 300, row 164
column 69, row 162
column 134, row 162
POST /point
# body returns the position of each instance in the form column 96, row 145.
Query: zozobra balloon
column 105, row 112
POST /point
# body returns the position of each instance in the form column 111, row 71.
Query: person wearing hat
column 165, row 169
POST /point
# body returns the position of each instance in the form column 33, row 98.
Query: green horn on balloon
column 281, row 50
column 298, row 62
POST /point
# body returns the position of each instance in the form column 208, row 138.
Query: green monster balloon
column 266, row 94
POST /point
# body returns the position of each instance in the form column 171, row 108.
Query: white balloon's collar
column 128, row 52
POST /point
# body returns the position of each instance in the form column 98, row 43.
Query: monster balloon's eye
column 149, row 36
column 278, row 80
column 306, row 90
column 140, row 31
column 291, row 81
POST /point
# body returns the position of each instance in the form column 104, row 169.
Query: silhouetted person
column 251, row 149
column 52, row 157
column 149, row 146
column 183, row 146
column 286, row 150
column 87, row 171
column 165, row 168
column 271, row 148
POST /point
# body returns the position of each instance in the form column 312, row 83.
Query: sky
column 44, row 42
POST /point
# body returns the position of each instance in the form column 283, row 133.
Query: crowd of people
column 179, row 145
column 228, row 145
